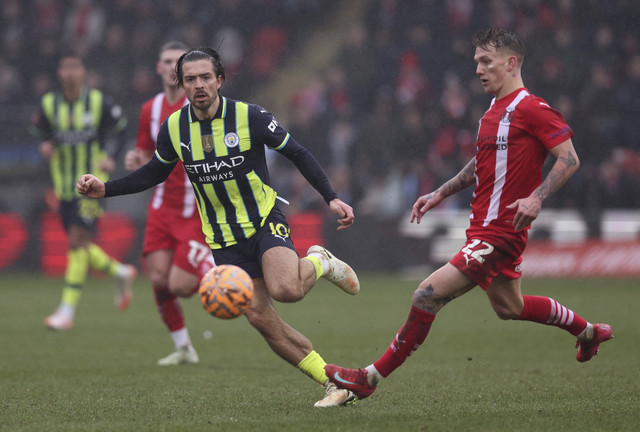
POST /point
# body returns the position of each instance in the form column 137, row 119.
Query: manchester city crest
column 231, row 139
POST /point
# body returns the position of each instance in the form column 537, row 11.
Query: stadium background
column 383, row 92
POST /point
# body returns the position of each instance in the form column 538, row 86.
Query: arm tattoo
column 557, row 176
column 569, row 160
column 462, row 180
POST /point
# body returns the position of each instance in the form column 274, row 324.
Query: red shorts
column 166, row 229
column 489, row 253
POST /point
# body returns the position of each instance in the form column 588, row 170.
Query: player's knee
column 158, row 278
column 287, row 295
column 181, row 290
column 285, row 292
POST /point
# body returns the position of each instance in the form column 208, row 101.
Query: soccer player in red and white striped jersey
column 515, row 136
column 174, row 247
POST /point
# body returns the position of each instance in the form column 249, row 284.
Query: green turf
column 474, row 373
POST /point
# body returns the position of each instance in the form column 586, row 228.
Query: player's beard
column 204, row 105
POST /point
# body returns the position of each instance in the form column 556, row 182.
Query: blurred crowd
column 119, row 40
column 395, row 113
column 398, row 110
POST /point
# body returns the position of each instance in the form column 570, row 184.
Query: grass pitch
column 474, row 372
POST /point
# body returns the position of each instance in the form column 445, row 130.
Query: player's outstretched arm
column 344, row 212
column 462, row 180
column 90, row 186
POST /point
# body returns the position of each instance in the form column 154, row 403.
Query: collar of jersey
column 221, row 113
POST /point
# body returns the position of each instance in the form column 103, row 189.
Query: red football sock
column 169, row 308
column 545, row 310
column 409, row 338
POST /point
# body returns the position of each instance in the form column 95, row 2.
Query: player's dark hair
column 500, row 39
column 200, row 54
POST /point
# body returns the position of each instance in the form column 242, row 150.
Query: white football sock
column 373, row 376
column 323, row 260
column 586, row 334
column 181, row 338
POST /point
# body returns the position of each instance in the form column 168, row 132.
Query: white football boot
column 183, row 355
column 58, row 321
column 339, row 272
column 335, row 397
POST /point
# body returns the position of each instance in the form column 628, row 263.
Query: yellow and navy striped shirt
column 225, row 161
column 79, row 131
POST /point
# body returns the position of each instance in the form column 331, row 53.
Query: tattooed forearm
column 462, row 180
column 570, row 160
column 564, row 167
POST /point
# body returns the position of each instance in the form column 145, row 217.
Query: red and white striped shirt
column 176, row 192
column 514, row 139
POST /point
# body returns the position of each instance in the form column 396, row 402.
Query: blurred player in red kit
column 515, row 136
column 174, row 246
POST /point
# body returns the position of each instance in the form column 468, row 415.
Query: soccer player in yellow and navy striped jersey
column 221, row 143
column 74, row 124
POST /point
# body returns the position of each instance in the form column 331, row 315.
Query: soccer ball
column 226, row 291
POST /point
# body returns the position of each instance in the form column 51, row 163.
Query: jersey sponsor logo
column 72, row 137
column 185, row 145
column 492, row 146
column 492, row 142
column 500, row 139
column 215, row 177
column 209, row 172
column 231, row 139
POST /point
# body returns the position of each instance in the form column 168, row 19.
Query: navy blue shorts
column 247, row 254
column 82, row 212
